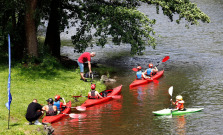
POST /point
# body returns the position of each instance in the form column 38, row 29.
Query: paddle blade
column 165, row 59
column 156, row 81
column 170, row 91
column 77, row 116
column 135, row 69
column 117, row 97
column 81, row 108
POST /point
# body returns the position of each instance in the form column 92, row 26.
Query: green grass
column 40, row 82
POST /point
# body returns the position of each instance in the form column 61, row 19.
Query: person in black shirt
column 34, row 112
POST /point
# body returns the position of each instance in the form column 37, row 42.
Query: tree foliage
column 98, row 20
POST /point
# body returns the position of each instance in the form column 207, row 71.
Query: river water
column 194, row 70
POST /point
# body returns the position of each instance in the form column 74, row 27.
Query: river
column 194, row 70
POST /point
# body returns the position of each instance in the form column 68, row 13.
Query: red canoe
column 51, row 119
column 110, row 94
column 140, row 82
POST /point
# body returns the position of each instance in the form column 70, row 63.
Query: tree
column 94, row 19
column 30, row 27
column 120, row 20
column 52, row 40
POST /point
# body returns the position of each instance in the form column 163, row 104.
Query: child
column 93, row 94
column 150, row 71
column 179, row 103
column 139, row 73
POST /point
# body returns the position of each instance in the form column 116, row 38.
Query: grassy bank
column 40, row 82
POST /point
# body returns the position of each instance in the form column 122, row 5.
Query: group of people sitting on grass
column 36, row 111
column 148, row 73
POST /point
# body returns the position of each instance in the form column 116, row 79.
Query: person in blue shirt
column 139, row 73
column 150, row 71
column 59, row 104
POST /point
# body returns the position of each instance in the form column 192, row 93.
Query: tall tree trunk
column 31, row 34
column 53, row 32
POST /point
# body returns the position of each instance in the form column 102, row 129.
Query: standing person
column 59, row 104
column 50, row 109
column 179, row 103
column 93, row 94
column 150, row 71
column 85, row 57
column 34, row 112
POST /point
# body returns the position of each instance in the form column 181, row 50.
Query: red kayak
column 51, row 119
column 110, row 94
column 145, row 81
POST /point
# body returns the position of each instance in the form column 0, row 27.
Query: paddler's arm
column 64, row 102
column 98, row 95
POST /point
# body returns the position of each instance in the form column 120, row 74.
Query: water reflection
column 92, row 120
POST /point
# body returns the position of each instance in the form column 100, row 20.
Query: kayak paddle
column 80, row 108
column 116, row 96
column 79, row 96
column 171, row 92
column 135, row 69
column 156, row 81
column 77, row 116
column 164, row 60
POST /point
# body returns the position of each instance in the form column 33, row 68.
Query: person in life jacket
column 58, row 104
column 139, row 74
column 179, row 103
column 149, row 72
column 50, row 109
column 93, row 94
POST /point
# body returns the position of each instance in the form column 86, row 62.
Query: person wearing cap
column 34, row 112
column 179, row 103
column 85, row 57
column 93, row 94
column 149, row 72
column 50, row 109
column 59, row 104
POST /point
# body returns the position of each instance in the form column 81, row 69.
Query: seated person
column 179, row 103
column 50, row 109
column 34, row 112
column 60, row 105
column 150, row 71
column 93, row 94
column 139, row 74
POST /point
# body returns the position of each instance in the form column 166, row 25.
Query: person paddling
column 59, row 104
column 50, row 109
column 150, row 71
column 179, row 103
column 93, row 94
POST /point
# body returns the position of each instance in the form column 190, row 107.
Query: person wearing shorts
column 85, row 57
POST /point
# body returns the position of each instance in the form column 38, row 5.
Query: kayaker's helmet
column 50, row 100
column 57, row 97
column 93, row 86
column 150, row 65
column 139, row 67
column 179, row 97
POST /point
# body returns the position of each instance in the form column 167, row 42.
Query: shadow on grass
column 37, row 72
